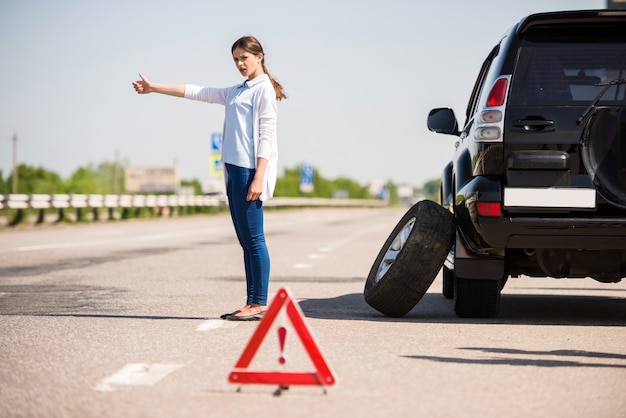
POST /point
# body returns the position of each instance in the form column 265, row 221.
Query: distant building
column 154, row 179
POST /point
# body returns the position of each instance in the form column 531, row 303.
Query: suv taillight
column 489, row 126
column 498, row 93
column 489, row 209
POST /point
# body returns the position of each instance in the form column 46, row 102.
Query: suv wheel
column 448, row 276
column 410, row 259
column 477, row 298
column 448, row 282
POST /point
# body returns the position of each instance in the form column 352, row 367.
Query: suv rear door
column 559, row 72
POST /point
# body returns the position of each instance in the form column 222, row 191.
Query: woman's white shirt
column 249, row 124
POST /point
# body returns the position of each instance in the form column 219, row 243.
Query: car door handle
column 534, row 124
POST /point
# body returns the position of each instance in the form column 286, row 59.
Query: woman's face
column 248, row 64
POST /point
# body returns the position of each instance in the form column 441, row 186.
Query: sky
column 361, row 77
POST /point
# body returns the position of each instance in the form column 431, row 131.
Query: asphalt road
column 120, row 319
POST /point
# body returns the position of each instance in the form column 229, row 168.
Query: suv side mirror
column 443, row 121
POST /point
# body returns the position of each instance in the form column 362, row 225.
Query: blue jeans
column 248, row 221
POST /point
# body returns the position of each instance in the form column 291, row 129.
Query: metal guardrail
column 63, row 201
column 80, row 203
column 160, row 204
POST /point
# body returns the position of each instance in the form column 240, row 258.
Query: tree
column 289, row 185
column 195, row 183
column 4, row 187
column 105, row 178
column 392, row 193
column 430, row 189
column 83, row 181
column 354, row 189
column 37, row 180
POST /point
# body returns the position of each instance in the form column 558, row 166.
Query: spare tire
column 604, row 153
column 410, row 259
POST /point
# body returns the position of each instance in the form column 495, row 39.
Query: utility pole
column 14, row 191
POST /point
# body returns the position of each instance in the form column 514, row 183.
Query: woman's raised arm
column 144, row 86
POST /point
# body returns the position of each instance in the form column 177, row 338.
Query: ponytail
column 253, row 46
column 278, row 88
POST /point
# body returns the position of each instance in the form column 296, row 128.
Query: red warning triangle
column 322, row 375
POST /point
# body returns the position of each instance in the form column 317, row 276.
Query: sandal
column 223, row 316
column 254, row 317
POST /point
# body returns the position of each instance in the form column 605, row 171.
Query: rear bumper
column 527, row 224
column 547, row 232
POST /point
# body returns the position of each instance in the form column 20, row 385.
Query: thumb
column 142, row 77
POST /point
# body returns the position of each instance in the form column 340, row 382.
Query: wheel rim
column 394, row 249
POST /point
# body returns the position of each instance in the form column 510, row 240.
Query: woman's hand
column 255, row 189
column 143, row 86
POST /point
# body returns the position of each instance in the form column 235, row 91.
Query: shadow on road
column 514, row 357
column 515, row 310
column 78, row 301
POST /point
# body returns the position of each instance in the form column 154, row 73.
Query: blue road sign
column 216, row 142
column 306, row 178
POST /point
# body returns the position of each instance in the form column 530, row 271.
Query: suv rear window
column 566, row 69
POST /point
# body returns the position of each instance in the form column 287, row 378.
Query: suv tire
column 448, row 282
column 476, row 298
column 410, row 259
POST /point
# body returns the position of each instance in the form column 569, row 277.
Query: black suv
column 537, row 182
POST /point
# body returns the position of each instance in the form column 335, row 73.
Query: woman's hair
column 252, row 45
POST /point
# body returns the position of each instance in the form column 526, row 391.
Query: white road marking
column 302, row 266
column 332, row 247
column 212, row 324
column 137, row 374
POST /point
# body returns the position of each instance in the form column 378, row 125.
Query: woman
column 249, row 155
